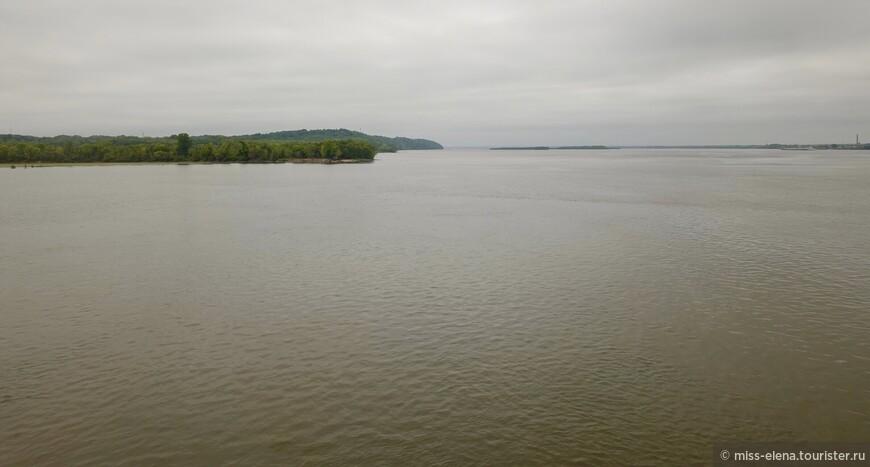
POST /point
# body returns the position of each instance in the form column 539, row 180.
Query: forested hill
column 381, row 143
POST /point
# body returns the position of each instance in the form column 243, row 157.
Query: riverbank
column 179, row 150
column 289, row 161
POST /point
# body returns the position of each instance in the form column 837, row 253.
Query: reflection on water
column 620, row 307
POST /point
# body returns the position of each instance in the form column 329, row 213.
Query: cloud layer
column 463, row 73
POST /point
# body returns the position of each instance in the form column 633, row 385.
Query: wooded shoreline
column 292, row 145
column 38, row 165
column 183, row 150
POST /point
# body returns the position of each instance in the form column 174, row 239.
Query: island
column 310, row 146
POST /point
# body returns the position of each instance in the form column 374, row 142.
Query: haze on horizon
column 461, row 73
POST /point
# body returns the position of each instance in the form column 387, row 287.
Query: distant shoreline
column 787, row 147
column 801, row 147
column 546, row 148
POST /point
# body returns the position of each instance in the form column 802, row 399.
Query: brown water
column 624, row 307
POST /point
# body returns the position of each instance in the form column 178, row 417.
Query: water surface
column 623, row 307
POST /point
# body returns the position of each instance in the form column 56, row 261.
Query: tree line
column 381, row 143
column 180, row 148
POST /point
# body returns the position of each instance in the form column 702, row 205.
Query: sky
column 463, row 73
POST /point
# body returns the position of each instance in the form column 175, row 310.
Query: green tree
column 182, row 144
column 330, row 150
column 203, row 152
column 243, row 151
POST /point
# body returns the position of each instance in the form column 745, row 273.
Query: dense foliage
column 382, row 143
column 181, row 148
column 188, row 143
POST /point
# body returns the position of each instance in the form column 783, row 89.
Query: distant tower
column 856, row 140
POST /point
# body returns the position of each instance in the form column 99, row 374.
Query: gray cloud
column 464, row 73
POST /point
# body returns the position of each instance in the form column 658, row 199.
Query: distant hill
column 381, row 143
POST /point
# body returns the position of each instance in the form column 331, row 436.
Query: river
column 620, row 307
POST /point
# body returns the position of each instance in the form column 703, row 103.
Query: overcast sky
column 460, row 72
